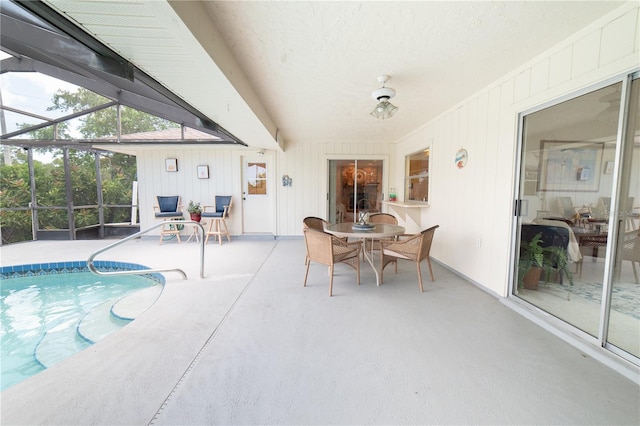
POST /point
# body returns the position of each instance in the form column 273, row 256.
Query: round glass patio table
column 379, row 231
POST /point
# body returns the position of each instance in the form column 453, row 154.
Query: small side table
column 194, row 233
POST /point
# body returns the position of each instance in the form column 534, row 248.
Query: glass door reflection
column 354, row 186
column 565, row 182
column 624, row 313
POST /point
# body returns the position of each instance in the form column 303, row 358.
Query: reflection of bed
column 573, row 248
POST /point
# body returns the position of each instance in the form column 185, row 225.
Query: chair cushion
column 396, row 254
column 211, row 214
column 221, row 201
column 168, row 204
column 169, row 214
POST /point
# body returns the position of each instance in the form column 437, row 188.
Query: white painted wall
column 304, row 163
column 474, row 205
column 224, row 179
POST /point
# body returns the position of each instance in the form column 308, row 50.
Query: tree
column 46, row 133
column 15, row 191
column 102, row 123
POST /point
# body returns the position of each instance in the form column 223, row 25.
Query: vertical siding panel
column 540, row 77
column 586, row 54
column 619, row 37
column 523, row 85
column 560, row 67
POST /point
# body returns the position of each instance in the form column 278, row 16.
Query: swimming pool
column 51, row 311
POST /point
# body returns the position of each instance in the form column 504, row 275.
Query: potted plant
column 530, row 264
column 195, row 211
column 536, row 260
column 556, row 261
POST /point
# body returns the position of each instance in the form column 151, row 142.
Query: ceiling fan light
column 384, row 110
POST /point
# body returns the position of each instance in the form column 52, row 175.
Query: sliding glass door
column 621, row 331
column 354, row 186
column 576, row 255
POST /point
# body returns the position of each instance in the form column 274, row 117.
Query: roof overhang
column 41, row 40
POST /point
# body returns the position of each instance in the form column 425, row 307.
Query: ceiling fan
column 384, row 109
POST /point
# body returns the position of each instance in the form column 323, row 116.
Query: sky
column 31, row 92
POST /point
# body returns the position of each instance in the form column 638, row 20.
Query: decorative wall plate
column 461, row 158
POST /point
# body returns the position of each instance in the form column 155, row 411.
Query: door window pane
column 257, row 178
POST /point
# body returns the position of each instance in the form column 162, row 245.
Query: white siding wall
column 304, row 163
column 474, row 206
column 224, row 179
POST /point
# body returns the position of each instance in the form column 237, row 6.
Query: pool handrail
column 93, row 269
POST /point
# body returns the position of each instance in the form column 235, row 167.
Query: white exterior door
column 257, row 215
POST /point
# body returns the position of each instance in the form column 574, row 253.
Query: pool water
column 41, row 314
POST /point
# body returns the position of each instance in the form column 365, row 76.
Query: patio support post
column 96, row 159
column 69, row 192
column 33, row 205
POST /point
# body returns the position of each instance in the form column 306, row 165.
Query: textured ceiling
column 308, row 68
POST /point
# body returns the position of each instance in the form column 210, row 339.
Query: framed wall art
column 203, row 172
column 171, row 164
column 570, row 166
column 608, row 167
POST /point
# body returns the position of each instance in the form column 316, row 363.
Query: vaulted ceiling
column 304, row 71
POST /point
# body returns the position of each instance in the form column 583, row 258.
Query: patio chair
column 340, row 213
column 379, row 218
column 567, row 208
column 315, row 223
column 415, row 248
column 603, row 206
column 219, row 214
column 329, row 250
column 169, row 208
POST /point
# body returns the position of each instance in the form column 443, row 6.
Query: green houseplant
column 195, row 210
column 536, row 260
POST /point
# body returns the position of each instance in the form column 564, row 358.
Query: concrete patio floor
column 248, row 344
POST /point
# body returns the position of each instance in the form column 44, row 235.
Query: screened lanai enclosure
column 70, row 112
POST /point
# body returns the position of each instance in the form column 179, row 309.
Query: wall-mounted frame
column 570, row 166
column 608, row 167
column 171, row 164
column 203, row 172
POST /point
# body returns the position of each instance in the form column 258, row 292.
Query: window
column 257, row 176
column 416, row 181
